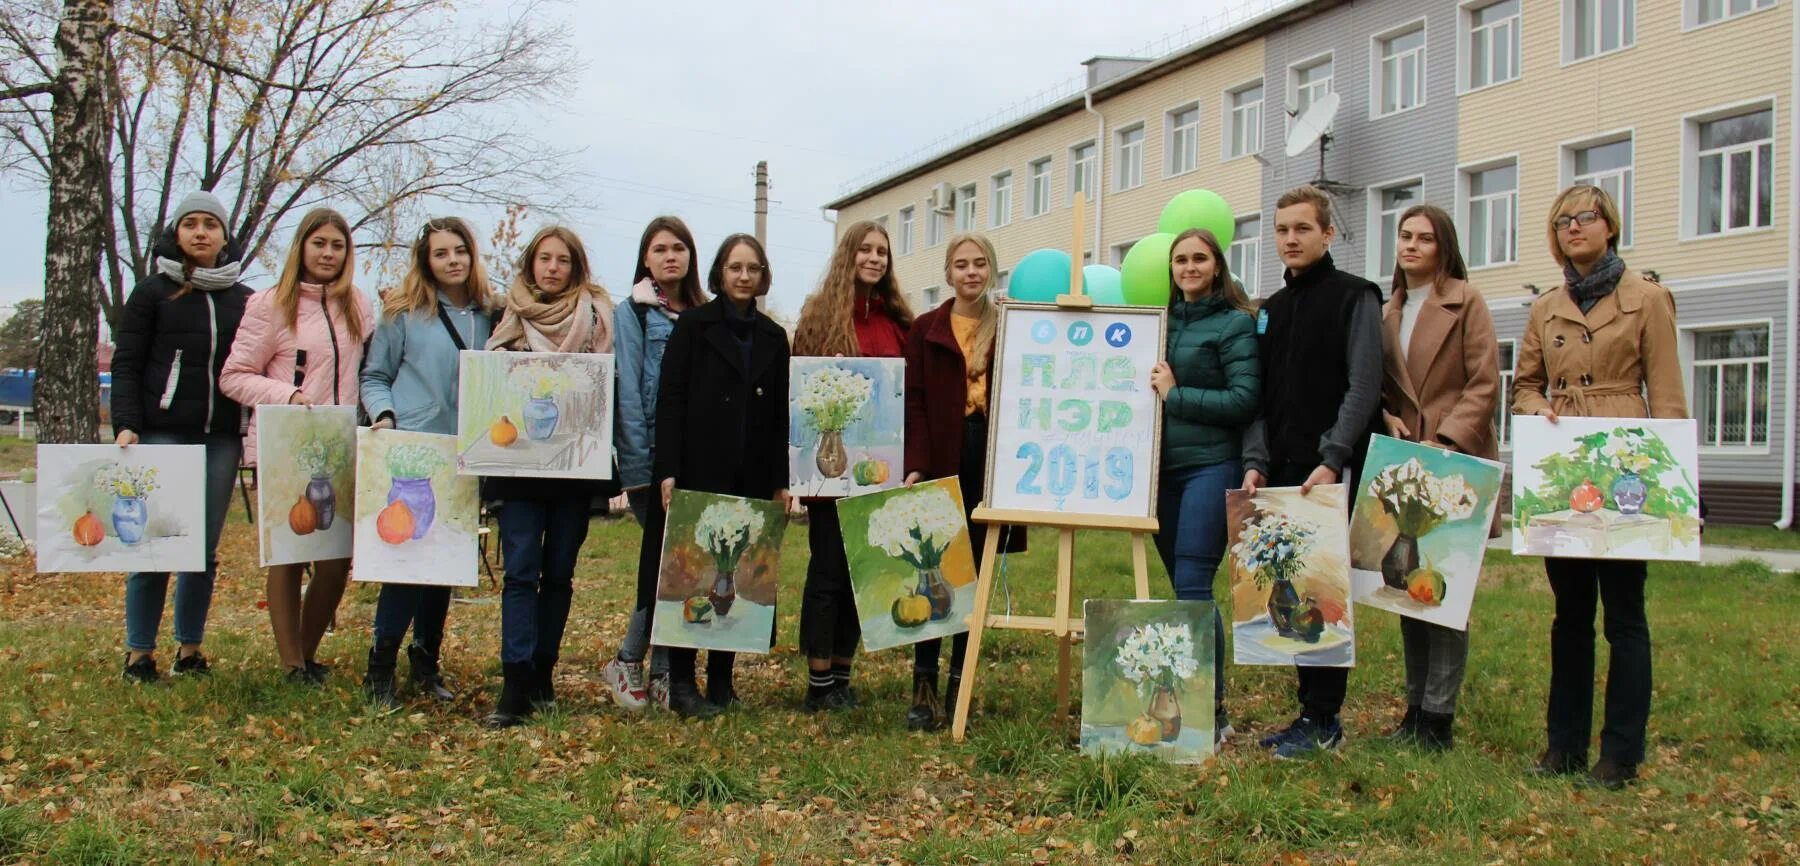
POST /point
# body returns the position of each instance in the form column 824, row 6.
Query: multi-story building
column 1682, row 108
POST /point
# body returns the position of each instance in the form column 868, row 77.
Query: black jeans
column 970, row 479
column 1320, row 690
column 425, row 608
column 828, row 624
column 1580, row 584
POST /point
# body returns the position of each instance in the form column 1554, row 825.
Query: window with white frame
column 1608, row 166
column 1128, row 156
column 1311, row 83
column 1503, row 412
column 930, row 294
column 903, row 243
column 1731, row 386
column 1245, row 120
column 1390, row 203
column 1492, row 219
column 1402, row 69
column 1083, row 159
column 1000, row 208
column 1492, row 44
column 1735, row 172
column 934, row 227
column 1245, row 252
column 965, row 208
column 1038, row 200
column 1595, row 27
column 1708, row 11
column 1116, row 254
column 1183, row 145
column 1003, row 282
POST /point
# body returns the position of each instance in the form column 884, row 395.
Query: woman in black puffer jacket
column 173, row 338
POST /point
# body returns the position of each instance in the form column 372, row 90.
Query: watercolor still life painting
column 106, row 508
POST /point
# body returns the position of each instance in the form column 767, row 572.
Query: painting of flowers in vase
column 305, row 482
column 1420, row 529
column 720, row 567
column 1606, row 488
column 1290, row 576
column 846, row 417
column 1147, row 679
column 534, row 414
column 416, row 518
column 911, row 564
column 106, row 508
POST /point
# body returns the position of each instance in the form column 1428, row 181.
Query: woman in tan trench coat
column 1603, row 344
column 1440, row 387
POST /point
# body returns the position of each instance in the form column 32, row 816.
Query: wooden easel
column 1060, row 623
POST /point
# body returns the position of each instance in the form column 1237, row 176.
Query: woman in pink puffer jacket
column 301, row 342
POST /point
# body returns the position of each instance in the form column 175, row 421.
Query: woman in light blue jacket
column 409, row 383
column 665, row 284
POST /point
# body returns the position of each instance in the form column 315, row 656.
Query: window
column 1493, row 44
column 1242, row 258
column 1000, row 207
column 1492, row 221
column 931, row 296
column 1402, row 70
column 1183, row 146
column 1244, row 136
column 1311, row 83
column 1390, row 203
column 1709, row 11
column 934, row 228
column 1038, row 201
column 903, row 243
column 1116, row 256
column 1128, row 155
column 965, row 209
column 1595, row 27
column 1608, row 166
column 1503, row 412
column 1083, row 159
column 1731, row 386
column 1735, row 172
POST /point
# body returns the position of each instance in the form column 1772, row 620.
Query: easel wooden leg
column 1065, row 572
column 978, row 618
column 1140, row 565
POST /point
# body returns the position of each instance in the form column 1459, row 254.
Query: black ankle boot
column 1408, row 730
column 425, row 676
column 515, row 696
column 1435, row 731
column 720, row 691
column 926, row 713
column 378, row 683
column 953, row 688
column 685, row 700
column 1556, row 762
column 543, row 682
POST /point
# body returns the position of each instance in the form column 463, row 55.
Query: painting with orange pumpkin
column 106, row 508
column 305, row 482
column 534, row 414
column 416, row 518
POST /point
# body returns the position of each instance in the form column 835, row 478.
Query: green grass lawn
column 1757, row 537
column 16, row 453
column 243, row 768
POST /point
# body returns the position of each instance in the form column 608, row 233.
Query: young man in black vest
column 1320, row 342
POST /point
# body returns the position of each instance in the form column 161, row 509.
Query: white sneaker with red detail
column 626, row 682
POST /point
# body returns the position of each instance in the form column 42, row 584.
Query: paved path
column 1779, row 560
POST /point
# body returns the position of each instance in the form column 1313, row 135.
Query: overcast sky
column 679, row 101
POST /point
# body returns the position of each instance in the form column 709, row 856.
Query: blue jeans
column 1190, row 507
column 637, row 633
column 539, row 541
column 145, row 591
column 425, row 608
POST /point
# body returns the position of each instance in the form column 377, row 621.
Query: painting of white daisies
column 846, row 418
column 1147, row 679
column 720, row 566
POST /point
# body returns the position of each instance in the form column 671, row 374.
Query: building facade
column 1681, row 108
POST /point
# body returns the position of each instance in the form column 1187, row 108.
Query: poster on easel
column 1075, row 425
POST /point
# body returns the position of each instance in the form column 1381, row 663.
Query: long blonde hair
column 418, row 289
column 986, row 313
column 341, row 290
column 826, row 327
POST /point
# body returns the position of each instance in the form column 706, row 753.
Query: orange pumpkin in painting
column 503, row 433
column 303, row 518
column 1587, row 498
column 88, row 531
column 395, row 523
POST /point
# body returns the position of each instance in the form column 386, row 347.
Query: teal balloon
column 1040, row 276
column 1144, row 277
column 1199, row 209
column 1103, row 284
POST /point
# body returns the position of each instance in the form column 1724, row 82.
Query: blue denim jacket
column 412, row 366
column 637, row 353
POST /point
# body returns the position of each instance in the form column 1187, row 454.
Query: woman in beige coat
column 1603, row 344
column 1440, row 387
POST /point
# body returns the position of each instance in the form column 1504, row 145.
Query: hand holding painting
column 126, row 437
column 1320, row 475
column 1395, row 427
column 1547, row 414
column 1162, row 379
column 298, row 399
column 1252, row 481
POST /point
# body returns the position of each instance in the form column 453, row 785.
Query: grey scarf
column 1600, row 282
column 205, row 279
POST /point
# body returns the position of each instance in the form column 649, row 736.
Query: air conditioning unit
column 943, row 199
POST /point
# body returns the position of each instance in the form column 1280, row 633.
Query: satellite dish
column 1310, row 126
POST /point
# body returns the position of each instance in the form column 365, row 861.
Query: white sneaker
column 659, row 690
column 626, row 681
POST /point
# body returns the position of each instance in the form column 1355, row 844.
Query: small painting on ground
column 1147, row 679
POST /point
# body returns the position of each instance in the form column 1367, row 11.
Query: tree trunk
column 67, row 398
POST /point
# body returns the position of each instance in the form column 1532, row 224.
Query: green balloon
column 1144, row 275
column 1199, row 209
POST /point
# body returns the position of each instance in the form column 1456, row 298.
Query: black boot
column 720, row 691
column 1408, row 731
column 685, row 700
column 543, row 682
column 1434, row 731
column 926, row 713
column 952, row 688
column 425, row 677
column 1556, row 762
column 515, row 696
column 378, row 683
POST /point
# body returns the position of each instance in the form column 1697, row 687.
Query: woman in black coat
column 721, row 426
column 173, row 338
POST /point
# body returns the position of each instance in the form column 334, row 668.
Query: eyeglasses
column 1585, row 218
